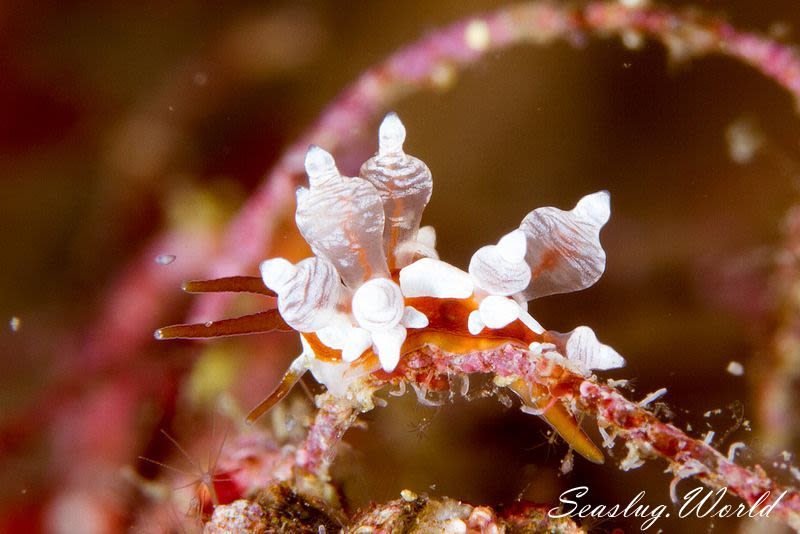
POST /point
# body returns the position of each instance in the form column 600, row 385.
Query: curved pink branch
column 432, row 61
column 331, row 421
column 642, row 431
column 627, row 420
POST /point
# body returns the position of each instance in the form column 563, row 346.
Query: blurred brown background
column 112, row 114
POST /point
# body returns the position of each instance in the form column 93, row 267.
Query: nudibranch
column 375, row 289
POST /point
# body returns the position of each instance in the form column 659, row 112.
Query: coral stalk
column 643, row 433
column 649, row 437
column 779, row 371
column 334, row 417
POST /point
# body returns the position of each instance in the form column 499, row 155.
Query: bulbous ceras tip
column 404, row 183
column 378, row 304
column 342, row 220
column 308, row 293
column 501, row 269
column 563, row 247
column 379, row 307
column 582, row 347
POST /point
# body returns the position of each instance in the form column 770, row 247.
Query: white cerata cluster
column 365, row 229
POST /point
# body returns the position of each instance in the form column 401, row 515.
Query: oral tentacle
column 256, row 323
column 229, row 284
column 292, row 376
column 553, row 411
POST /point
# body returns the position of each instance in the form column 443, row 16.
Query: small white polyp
column 532, row 324
column 595, row 207
column 584, row 348
column 424, row 245
column 391, row 135
column 426, row 236
column 413, row 318
column 475, row 323
column 333, row 336
column 319, row 163
column 512, row 246
column 434, row 278
column 501, row 269
column 387, row 344
column 357, row 342
column 498, row 312
column 341, row 335
column 378, row 304
column 276, row 272
column 540, row 348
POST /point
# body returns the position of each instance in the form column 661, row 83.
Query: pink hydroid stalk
column 332, row 420
column 628, row 420
column 778, row 373
column 620, row 417
column 433, row 60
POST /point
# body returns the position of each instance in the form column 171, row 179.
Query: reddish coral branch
column 432, row 62
column 334, row 417
column 779, row 371
column 631, row 422
column 689, row 457
column 645, row 435
column 278, row 508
